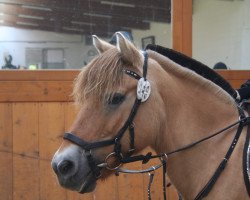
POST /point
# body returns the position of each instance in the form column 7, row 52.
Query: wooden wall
column 35, row 111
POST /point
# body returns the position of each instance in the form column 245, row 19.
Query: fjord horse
column 182, row 107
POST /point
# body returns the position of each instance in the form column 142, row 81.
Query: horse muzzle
column 72, row 170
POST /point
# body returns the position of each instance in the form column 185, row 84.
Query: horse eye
column 116, row 99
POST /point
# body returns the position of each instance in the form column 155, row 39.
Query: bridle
column 143, row 92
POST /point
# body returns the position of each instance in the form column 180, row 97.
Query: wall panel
column 25, row 129
column 6, row 175
column 130, row 186
column 26, row 175
column 51, row 128
column 6, row 127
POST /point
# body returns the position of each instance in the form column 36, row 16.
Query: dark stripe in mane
column 195, row 66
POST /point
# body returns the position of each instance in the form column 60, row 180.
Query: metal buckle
column 165, row 156
column 131, row 150
column 109, row 166
column 113, row 155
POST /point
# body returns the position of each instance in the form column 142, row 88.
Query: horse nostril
column 65, row 167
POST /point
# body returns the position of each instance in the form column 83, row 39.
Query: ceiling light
column 97, row 15
column 73, row 29
column 31, row 17
column 81, row 23
column 27, row 24
column 118, row 4
column 36, row 8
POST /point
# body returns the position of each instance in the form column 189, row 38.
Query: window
column 57, row 34
column 221, row 33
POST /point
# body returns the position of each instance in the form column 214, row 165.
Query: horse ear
column 129, row 52
column 101, row 45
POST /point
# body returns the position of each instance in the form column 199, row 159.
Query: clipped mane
column 187, row 74
column 99, row 77
column 195, row 66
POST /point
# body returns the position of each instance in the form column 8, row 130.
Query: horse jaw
column 100, row 45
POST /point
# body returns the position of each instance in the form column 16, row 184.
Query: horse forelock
column 99, row 78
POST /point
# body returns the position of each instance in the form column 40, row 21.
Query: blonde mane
column 99, row 77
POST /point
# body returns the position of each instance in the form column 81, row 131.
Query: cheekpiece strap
column 94, row 168
column 145, row 65
column 132, row 139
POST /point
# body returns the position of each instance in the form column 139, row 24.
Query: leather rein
column 143, row 92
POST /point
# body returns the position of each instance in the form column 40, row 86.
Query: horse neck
column 194, row 111
column 195, row 108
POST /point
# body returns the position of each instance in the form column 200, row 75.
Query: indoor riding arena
column 124, row 100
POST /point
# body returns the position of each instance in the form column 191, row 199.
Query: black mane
column 195, row 66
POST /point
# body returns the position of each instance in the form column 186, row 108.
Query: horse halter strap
column 116, row 141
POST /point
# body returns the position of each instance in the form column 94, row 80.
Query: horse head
column 100, row 136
